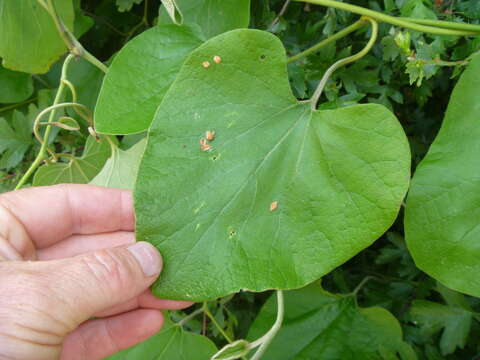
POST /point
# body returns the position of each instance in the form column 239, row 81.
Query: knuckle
column 110, row 269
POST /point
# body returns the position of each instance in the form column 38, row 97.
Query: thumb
column 91, row 283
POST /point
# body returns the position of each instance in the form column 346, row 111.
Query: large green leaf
column 139, row 77
column 120, row 170
column 442, row 218
column 320, row 325
column 171, row 343
column 78, row 170
column 29, row 40
column 285, row 194
column 14, row 86
column 211, row 17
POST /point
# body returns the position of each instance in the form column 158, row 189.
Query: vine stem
column 44, row 144
column 266, row 339
column 70, row 41
column 280, row 14
column 444, row 24
column 359, row 287
column 343, row 62
column 190, row 316
column 439, row 62
column 342, row 33
column 16, row 105
column 401, row 22
column 206, row 310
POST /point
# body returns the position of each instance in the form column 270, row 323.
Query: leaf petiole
column 342, row 33
column 266, row 339
column 343, row 62
column 214, row 321
column 190, row 316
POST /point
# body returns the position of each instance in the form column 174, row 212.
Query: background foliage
column 411, row 73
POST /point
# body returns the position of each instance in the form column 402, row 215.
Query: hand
column 68, row 253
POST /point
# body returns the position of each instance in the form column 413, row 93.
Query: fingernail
column 147, row 256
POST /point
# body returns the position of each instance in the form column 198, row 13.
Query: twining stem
column 207, row 312
column 384, row 18
column 44, row 144
column 16, row 105
column 361, row 284
column 190, row 316
column 266, row 339
column 343, row 62
column 440, row 62
column 342, row 33
column 70, row 41
column 144, row 21
column 280, row 14
column 444, row 24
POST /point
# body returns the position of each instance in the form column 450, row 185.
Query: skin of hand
column 67, row 255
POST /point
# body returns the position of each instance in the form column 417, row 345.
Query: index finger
column 52, row 213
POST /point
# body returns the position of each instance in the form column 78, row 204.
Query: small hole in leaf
column 262, row 57
column 232, row 232
column 214, row 158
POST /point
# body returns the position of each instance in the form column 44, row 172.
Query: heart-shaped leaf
column 243, row 187
column 442, row 217
column 78, row 170
column 320, row 325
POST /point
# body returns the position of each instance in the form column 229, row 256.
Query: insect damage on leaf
column 206, row 64
column 210, row 135
column 273, row 206
column 217, row 59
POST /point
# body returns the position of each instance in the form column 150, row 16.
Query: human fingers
column 105, row 278
column 99, row 338
column 52, row 213
column 81, row 244
column 145, row 301
column 47, row 300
